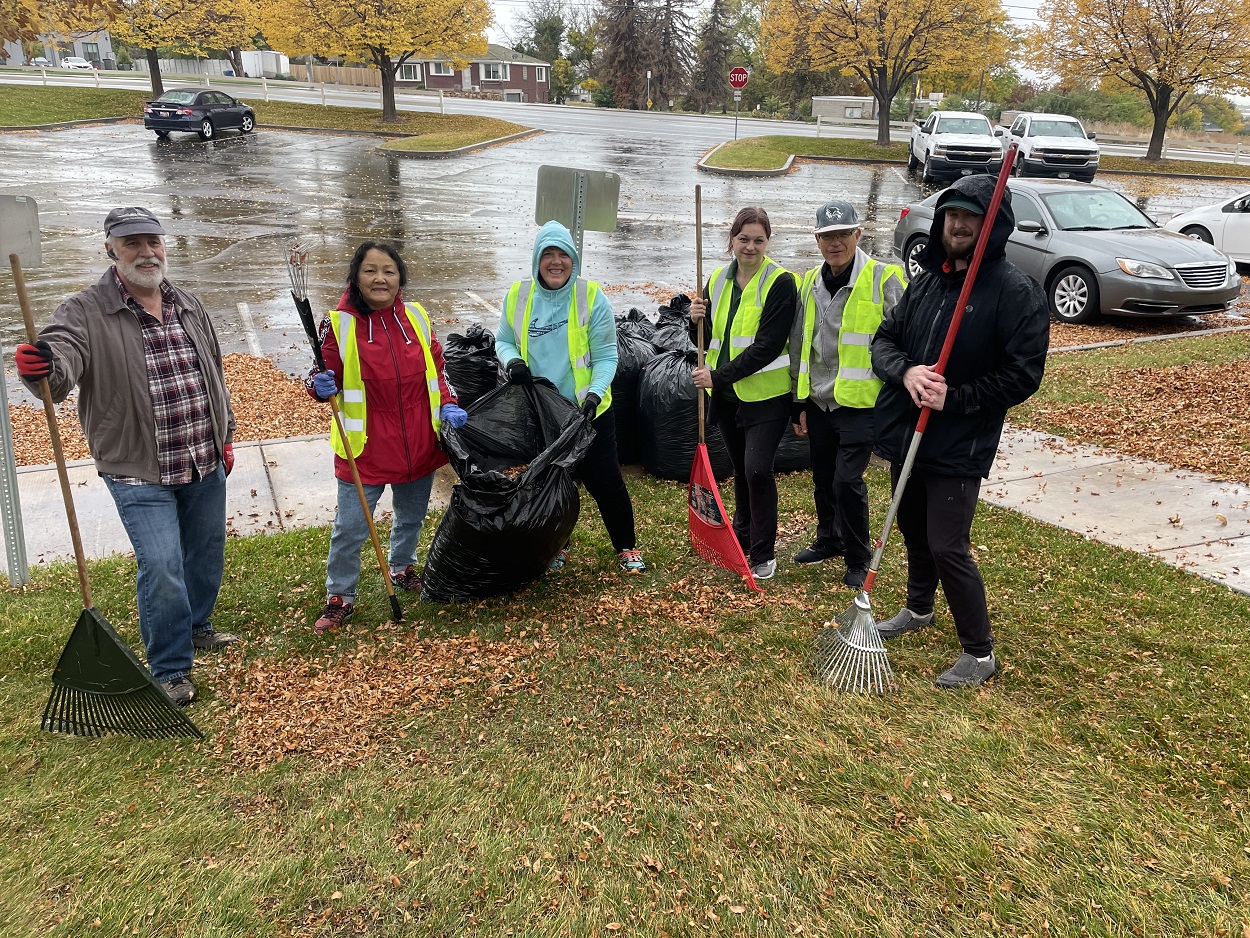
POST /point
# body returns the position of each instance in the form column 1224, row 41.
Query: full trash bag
column 502, row 529
column 794, row 453
column 668, row 420
column 633, row 351
column 672, row 328
column 470, row 364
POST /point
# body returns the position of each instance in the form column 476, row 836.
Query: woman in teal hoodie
column 560, row 327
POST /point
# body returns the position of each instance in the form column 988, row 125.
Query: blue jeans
column 351, row 530
column 178, row 533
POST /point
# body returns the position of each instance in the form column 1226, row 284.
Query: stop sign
column 738, row 78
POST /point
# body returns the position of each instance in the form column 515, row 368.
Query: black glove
column 519, row 372
column 591, row 404
column 33, row 361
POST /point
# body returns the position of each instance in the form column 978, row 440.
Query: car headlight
column 1144, row 269
column 939, row 150
column 1232, row 270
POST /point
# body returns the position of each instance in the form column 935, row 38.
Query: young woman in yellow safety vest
column 384, row 361
column 752, row 304
column 558, row 326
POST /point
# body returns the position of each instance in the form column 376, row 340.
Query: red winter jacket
column 401, row 446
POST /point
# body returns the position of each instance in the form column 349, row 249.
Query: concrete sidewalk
column 1182, row 518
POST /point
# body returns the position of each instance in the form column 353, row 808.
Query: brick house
column 512, row 76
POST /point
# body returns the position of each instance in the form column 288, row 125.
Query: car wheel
column 207, row 130
column 1073, row 295
column 926, row 175
column 1017, row 168
column 162, row 134
column 913, row 164
column 248, row 124
column 911, row 255
column 1197, row 231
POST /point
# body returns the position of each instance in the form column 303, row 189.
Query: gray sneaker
column 968, row 671
column 180, row 690
column 905, row 621
column 765, row 570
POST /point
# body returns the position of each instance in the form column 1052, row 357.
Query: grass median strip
column 647, row 755
column 27, row 105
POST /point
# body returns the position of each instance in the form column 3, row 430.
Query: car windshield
column 177, row 97
column 1055, row 129
column 1094, row 210
column 963, row 125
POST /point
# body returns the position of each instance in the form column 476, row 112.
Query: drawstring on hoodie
column 402, row 331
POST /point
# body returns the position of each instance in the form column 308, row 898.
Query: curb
column 459, row 151
column 702, row 167
column 1137, row 340
column 65, row 124
column 332, row 131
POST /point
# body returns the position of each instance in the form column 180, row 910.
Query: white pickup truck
column 1052, row 145
column 949, row 144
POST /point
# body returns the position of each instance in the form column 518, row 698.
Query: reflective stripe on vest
column 353, row 394
column 521, row 297
column 856, row 384
column 773, row 379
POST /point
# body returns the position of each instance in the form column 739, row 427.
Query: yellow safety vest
column 773, row 379
column 521, row 297
column 855, row 385
column 353, row 394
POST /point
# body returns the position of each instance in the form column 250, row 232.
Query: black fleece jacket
column 997, row 359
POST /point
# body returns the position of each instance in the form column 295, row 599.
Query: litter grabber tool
column 296, row 269
column 99, row 686
column 711, row 535
column 849, row 654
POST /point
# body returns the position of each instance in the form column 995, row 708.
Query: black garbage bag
column 635, row 323
column 672, row 328
column 668, row 420
column 470, row 364
column 794, row 453
column 500, row 532
column 633, row 351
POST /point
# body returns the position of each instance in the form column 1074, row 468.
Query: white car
column 1226, row 225
column 1052, row 145
column 74, row 61
column 949, row 144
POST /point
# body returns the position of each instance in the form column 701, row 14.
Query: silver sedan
column 1094, row 251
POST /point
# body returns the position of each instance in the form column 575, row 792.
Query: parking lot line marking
column 249, row 330
column 481, row 302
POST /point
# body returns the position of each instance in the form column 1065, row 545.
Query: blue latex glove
column 453, row 415
column 324, row 386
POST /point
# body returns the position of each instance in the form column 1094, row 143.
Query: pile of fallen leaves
column 1190, row 416
column 268, row 405
column 342, row 709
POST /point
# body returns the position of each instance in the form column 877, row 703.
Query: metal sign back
column 19, row 229
column 559, row 190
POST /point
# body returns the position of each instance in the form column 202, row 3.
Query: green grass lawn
column 648, row 756
column 22, row 105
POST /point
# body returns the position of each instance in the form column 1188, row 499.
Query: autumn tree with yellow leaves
column 385, row 33
column 885, row 43
column 1167, row 48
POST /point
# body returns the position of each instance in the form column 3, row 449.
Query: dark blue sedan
column 200, row 112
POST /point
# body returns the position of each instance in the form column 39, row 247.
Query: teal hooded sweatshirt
column 549, row 325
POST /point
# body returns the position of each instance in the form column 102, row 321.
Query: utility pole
column 648, row 89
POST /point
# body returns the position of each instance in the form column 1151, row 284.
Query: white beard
column 148, row 277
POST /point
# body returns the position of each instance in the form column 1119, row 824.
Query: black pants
column 752, row 449
column 841, row 446
column 935, row 517
column 600, row 472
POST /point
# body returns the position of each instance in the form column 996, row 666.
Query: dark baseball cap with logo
column 836, row 215
column 134, row 220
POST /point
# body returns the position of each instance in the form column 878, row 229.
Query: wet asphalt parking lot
column 465, row 225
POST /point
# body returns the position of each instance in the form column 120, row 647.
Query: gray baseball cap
column 836, row 215
column 131, row 221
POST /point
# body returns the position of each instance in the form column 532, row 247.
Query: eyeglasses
column 838, row 235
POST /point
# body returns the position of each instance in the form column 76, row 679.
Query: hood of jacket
column 979, row 190
column 555, row 235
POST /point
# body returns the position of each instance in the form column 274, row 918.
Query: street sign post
column 19, row 240
column 579, row 199
column 738, row 77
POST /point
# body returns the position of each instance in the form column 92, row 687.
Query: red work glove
column 33, row 361
column 227, row 457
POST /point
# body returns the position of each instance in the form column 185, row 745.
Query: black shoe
column 855, row 576
column 212, row 640
column 968, row 671
column 409, row 581
column 180, row 690
column 905, row 621
column 816, row 554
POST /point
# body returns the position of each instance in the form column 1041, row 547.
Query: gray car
column 1093, row 251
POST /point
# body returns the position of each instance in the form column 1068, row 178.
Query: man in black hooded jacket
column 996, row 362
